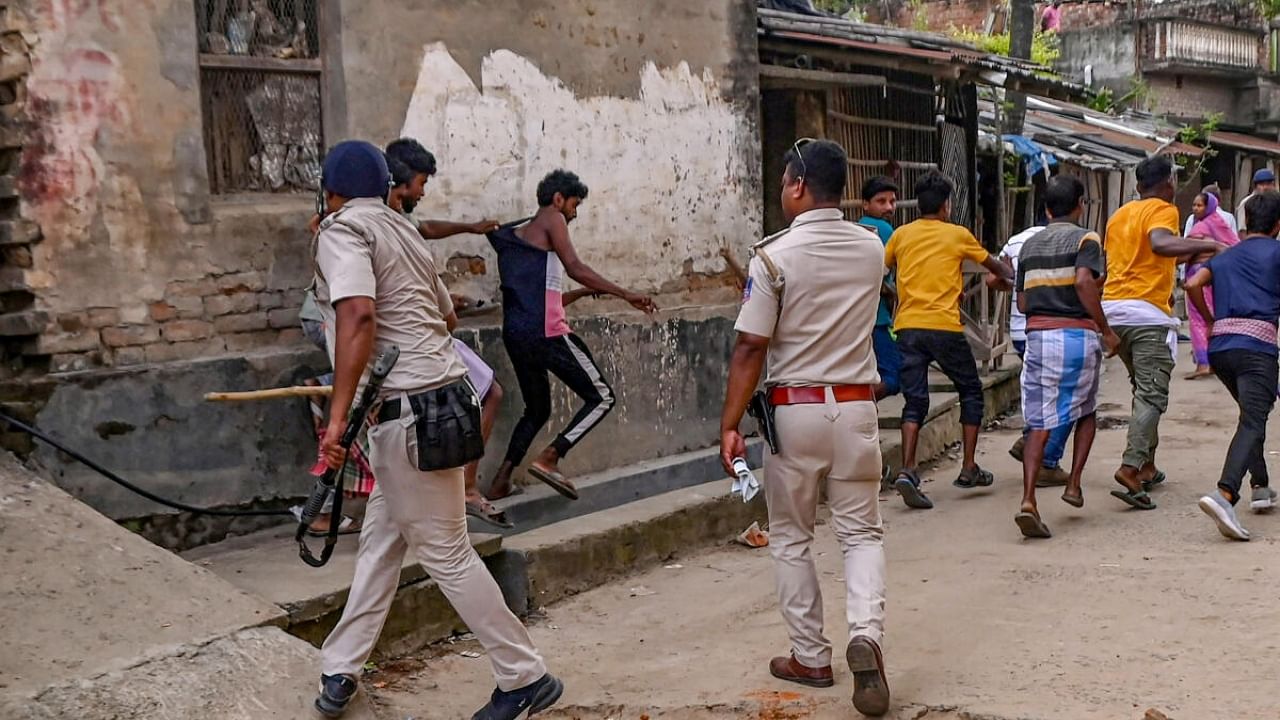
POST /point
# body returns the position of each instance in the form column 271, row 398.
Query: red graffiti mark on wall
column 71, row 96
column 60, row 15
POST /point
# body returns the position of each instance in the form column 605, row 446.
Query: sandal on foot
column 977, row 477
column 348, row 526
column 514, row 491
column 483, row 511
column 1156, row 478
column 1076, row 501
column 1136, row 499
column 1031, row 525
column 908, row 486
column 555, row 480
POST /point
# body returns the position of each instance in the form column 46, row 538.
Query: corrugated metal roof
column 1245, row 142
column 930, row 48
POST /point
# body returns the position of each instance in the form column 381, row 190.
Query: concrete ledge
column 569, row 557
column 539, row 505
column 266, row 564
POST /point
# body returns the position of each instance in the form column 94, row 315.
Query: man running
column 1143, row 250
column 412, row 166
column 377, row 284
column 929, row 255
column 533, row 259
column 1051, row 472
column 1058, row 271
column 1242, row 353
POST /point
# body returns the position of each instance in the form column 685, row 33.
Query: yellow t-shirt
column 1134, row 271
column 929, row 256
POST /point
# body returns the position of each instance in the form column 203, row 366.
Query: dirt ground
column 1121, row 612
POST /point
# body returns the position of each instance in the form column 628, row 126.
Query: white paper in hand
column 744, row 482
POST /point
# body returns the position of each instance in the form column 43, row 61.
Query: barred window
column 260, row 84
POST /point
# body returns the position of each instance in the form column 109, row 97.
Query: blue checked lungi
column 1060, row 375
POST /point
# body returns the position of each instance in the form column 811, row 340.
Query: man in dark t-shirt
column 1057, row 290
column 534, row 259
column 1243, row 353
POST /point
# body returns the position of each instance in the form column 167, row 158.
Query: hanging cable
column 37, row 434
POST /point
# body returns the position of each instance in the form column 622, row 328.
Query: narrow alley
column 1120, row 612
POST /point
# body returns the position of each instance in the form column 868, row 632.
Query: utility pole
column 1022, row 28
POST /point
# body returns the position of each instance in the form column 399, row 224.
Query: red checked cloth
column 357, row 474
column 1257, row 329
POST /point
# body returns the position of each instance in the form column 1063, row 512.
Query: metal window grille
column 260, row 79
column 890, row 131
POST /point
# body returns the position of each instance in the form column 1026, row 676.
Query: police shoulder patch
column 746, row 290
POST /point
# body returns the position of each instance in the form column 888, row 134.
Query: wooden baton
column 272, row 393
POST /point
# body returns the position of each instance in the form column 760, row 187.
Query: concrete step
column 266, row 564
column 539, row 505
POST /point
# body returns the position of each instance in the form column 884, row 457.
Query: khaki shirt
column 366, row 249
column 822, row 336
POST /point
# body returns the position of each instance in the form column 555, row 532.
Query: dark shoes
column 336, row 692
column 870, row 686
column 522, row 702
column 789, row 669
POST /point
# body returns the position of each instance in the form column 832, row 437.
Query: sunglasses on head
column 804, row 169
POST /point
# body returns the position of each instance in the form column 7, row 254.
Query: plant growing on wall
column 1198, row 135
column 1044, row 46
column 1270, row 9
column 1103, row 101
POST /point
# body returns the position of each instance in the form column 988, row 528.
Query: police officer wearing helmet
column 377, row 285
column 810, row 307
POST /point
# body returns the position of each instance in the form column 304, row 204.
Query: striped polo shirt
column 1047, row 269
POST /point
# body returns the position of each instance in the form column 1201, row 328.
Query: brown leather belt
column 814, row 395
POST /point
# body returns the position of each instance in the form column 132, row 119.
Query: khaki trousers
column 424, row 511
column 839, row 444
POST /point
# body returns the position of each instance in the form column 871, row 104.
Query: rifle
column 325, row 484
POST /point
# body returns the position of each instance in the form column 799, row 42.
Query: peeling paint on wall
column 668, row 171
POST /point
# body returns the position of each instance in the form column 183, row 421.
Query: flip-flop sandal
column 908, row 486
column 348, row 526
column 969, row 479
column 1139, row 500
column 1032, row 526
column 1076, row 501
column 485, row 512
column 1156, row 479
column 555, row 480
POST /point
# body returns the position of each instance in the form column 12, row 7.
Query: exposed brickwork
column 21, row 320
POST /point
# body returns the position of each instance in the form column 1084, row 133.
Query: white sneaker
column 1224, row 515
column 1264, row 499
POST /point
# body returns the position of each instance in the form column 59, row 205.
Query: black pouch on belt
column 447, row 426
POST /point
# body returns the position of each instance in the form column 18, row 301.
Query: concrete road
column 1121, row 612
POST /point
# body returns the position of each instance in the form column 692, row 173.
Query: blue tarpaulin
column 1036, row 157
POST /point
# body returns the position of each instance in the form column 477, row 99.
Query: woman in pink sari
column 1209, row 225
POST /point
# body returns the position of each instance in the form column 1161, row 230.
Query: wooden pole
column 271, row 394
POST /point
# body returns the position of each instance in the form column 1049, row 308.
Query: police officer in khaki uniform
column 376, row 283
column 810, row 307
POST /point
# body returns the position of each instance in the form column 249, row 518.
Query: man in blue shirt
column 1243, row 353
column 879, row 202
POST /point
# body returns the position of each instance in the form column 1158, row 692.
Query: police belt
column 390, row 409
column 816, row 395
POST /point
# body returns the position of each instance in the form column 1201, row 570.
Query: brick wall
column 230, row 313
column 1196, row 98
